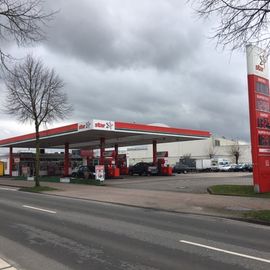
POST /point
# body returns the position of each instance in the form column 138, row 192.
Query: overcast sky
column 144, row 61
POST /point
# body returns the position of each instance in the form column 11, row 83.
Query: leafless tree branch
column 22, row 21
column 34, row 94
column 235, row 151
column 239, row 22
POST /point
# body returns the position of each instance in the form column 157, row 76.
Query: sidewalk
column 162, row 200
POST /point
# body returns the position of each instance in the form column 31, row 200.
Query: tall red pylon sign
column 259, row 113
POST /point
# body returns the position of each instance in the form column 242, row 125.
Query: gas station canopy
column 87, row 135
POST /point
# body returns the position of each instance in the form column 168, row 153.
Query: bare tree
column 212, row 151
column 186, row 158
column 34, row 94
column 235, row 151
column 21, row 20
column 240, row 21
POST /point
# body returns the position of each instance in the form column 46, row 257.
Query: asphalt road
column 189, row 183
column 49, row 232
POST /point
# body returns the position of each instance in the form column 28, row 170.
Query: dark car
column 84, row 172
column 182, row 168
column 249, row 167
column 241, row 167
column 143, row 168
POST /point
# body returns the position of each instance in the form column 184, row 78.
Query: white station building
column 212, row 147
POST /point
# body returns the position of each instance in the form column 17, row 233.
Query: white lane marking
column 225, row 251
column 11, row 189
column 39, row 209
column 4, row 264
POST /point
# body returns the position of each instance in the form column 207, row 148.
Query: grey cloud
column 201, row 100
column 145, row 61
column 124, row 36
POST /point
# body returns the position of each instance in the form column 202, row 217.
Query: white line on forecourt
column 39, row 209
column 226, row 251
column 11, row 189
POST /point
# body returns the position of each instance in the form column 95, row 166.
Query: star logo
column 109, row 125
column 87, row 124
column 263, row 59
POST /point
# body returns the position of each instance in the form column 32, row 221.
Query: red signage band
column 259, row 108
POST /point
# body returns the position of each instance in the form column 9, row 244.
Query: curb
column 253, row 221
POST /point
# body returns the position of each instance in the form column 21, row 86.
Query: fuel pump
column 121, row 163
column 163, row 166
column 112, row 171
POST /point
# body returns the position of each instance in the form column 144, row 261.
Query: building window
column 217, row 142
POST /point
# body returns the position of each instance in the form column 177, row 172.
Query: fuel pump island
column 103, row 134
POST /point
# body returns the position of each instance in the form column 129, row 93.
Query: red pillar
column 66, row 160
column 102, row 150
column 154, row 152
column 10, row 160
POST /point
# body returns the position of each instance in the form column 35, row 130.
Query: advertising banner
column 95, row 124
column 100, row 172
column 259, row 112
column 82, row 126
column 103, row 124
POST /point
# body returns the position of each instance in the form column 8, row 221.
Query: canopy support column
column 66, row 160
column 102, row 150
column 116, row 153
column 154, row 152
column 10, row 160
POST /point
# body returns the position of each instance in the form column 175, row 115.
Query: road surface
column 188, row 183
column 49, row 232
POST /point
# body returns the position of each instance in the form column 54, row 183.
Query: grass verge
column 37, row 189
column 236, row 190
column 261, row 215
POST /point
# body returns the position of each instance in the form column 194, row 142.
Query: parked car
column 218, row 165
column 143, row 168
column 225, row 168
column 249, row 167
column 232, row 168
column 182, row 168
column 84, row 172
column 242, row 167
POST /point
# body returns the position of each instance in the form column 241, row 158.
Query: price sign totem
column 259, row 113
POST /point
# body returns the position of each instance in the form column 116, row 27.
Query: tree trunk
column 37, row 163
column 236, row 158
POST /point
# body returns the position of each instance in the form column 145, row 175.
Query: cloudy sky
column 145, row 61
